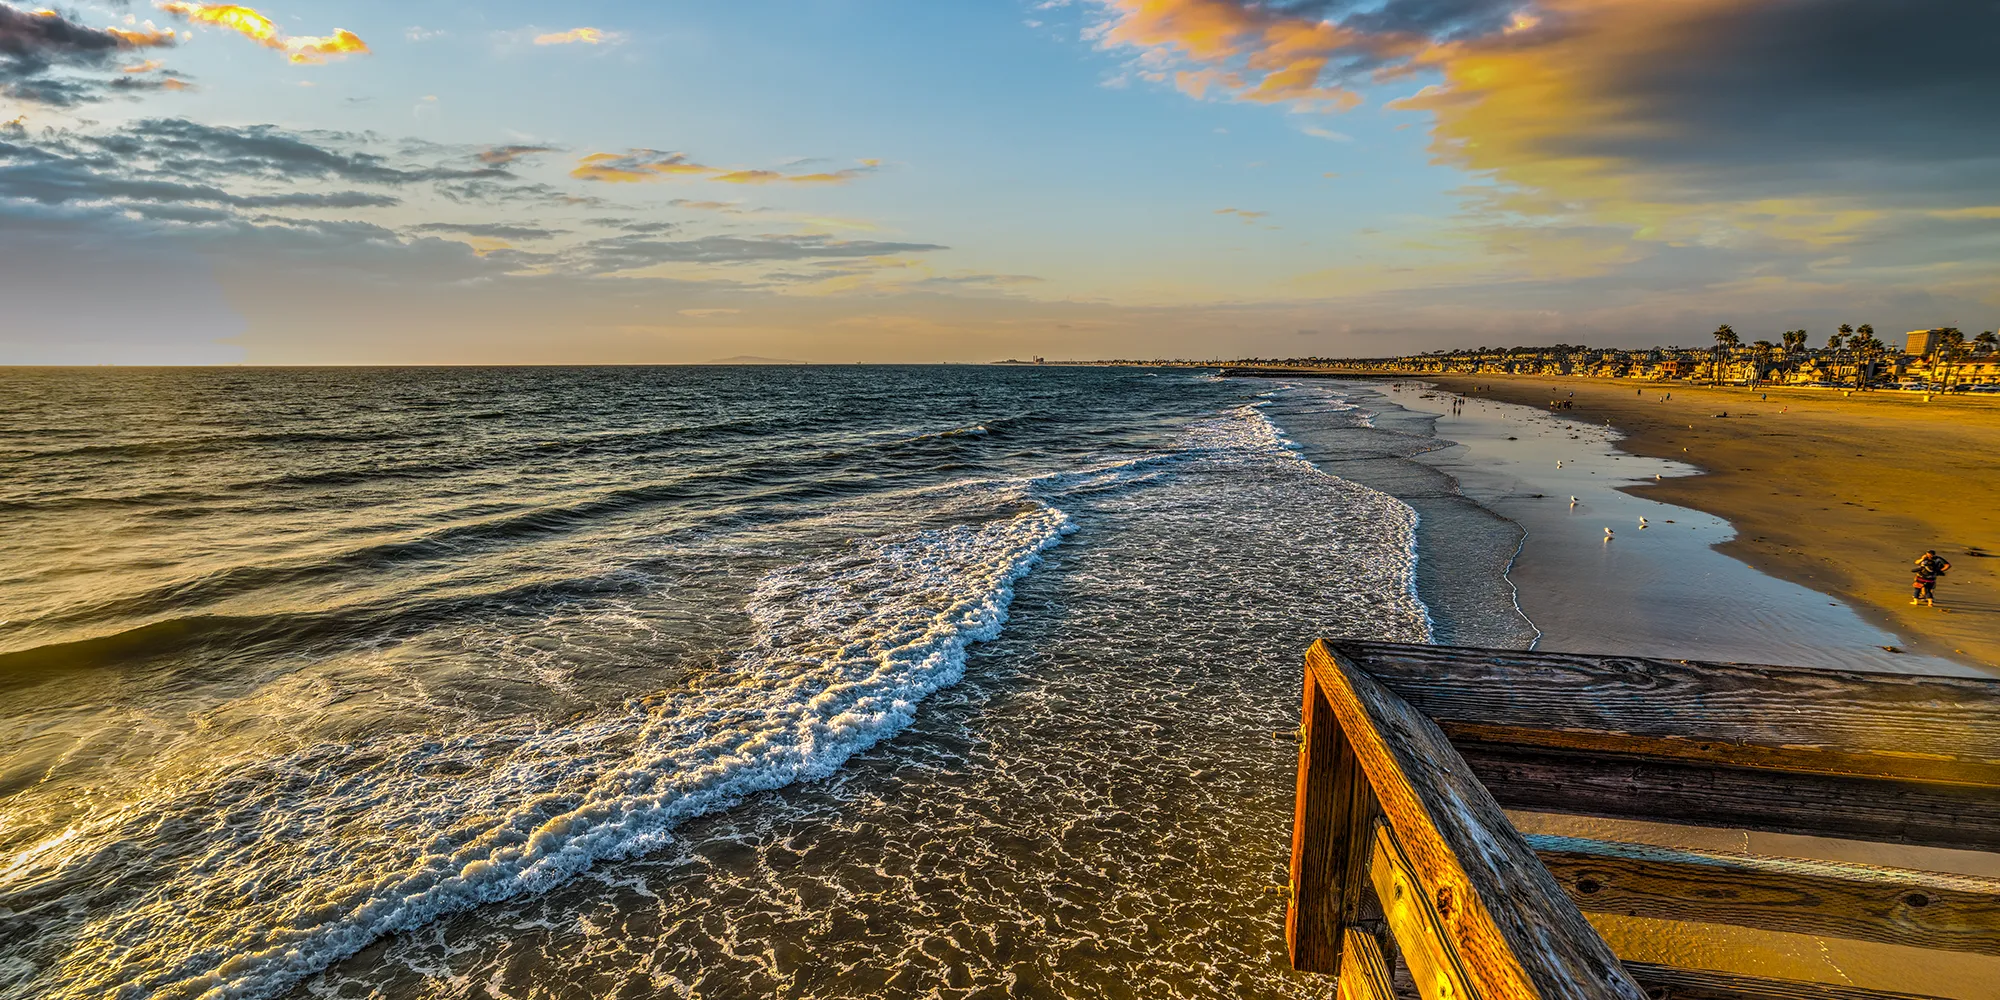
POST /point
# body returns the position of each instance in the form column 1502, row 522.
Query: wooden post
column 1332, row 826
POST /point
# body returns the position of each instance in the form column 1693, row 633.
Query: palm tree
column 1950, row 347
column 1726, row 342
column 1865, row 345
column 1987, row 342
column 1835, row 341
column 1760, row 355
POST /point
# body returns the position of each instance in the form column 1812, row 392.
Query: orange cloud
column 145, row 67
column 587, row 36
column 637, row 165
column 1242, row 51
column 258, row 28
column 1695, row 121
column 651, row 164
column 140, row 38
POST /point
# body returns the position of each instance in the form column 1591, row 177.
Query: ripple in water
column 816, row 806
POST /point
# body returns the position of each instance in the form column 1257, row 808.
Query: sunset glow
column 1093, row 178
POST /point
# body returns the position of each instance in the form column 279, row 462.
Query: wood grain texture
column 1422, row 932
column 1934, row 729
column 1664, row 982
column 1367, row 976
column 1313, row 925
column 1668, row 791
column 1867, row 902
column 1509, row 926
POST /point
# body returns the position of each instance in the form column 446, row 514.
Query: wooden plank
column 1790, row 718
column 1367, row 971
column 1699, row 794
column 1420, row 929
column 1866, row 902
column 1664, row 982
column 1507, row 924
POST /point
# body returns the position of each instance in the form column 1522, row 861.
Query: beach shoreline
column 1834, row 493
column 1529, row 519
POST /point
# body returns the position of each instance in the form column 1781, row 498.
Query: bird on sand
column 1607, row 534
column 1642, row 523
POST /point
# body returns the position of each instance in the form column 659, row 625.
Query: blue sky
column 975, row 180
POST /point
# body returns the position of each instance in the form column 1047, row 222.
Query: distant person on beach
column 1930, row 566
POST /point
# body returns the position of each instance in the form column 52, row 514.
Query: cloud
column 636, row 165
column 1687, row 120
column 586, row 36
column 490, row 230
column 1245, row 215
column 633, row 225
column 500, row 156
column 34, row 43
column 255, row 26
column 1745, row 126
column 706, row 313
column 626, row 253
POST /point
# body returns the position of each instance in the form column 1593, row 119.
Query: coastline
column 1504, row 560
column 1833, row 494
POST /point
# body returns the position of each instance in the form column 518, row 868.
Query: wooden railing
column 1403, row 860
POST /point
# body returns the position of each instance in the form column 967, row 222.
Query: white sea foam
column 331, row 848
column 312, row 856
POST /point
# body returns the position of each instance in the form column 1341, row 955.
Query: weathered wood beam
column 1865, row 902
column 1418, row 922
column 1665, row 982
column 1698, row 794
column 1367, row 976
column 1333, row 823
column 1932, row 729
column 1504, row 923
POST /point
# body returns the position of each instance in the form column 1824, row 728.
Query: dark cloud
column 33, row 43
column 1826, row 95
column 634, row 226
column 270, row 153
column 492, row 230
column 227, row 191
column 625, row 253
column 59, row 171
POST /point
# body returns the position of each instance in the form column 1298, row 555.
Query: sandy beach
column 1836, row 494
column 1674, row 587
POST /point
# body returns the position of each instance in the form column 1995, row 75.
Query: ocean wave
column 307, row 858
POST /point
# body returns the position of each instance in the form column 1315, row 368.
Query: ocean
column 697, row 682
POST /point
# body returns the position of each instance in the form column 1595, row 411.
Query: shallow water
column 705, row 682
column 1657, row 588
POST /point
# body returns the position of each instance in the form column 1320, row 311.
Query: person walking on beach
column 1930, row 566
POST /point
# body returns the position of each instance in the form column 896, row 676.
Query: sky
column 677, row 181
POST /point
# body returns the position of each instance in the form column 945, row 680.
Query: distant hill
column 751, row 359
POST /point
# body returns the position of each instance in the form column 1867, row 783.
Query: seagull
column 1573, row 501
column 1642, row 522
column 1559, row 463
column 1607, row 534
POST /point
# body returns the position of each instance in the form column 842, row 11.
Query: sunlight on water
column 580, row 669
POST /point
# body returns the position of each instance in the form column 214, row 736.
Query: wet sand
column 1836, row 495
